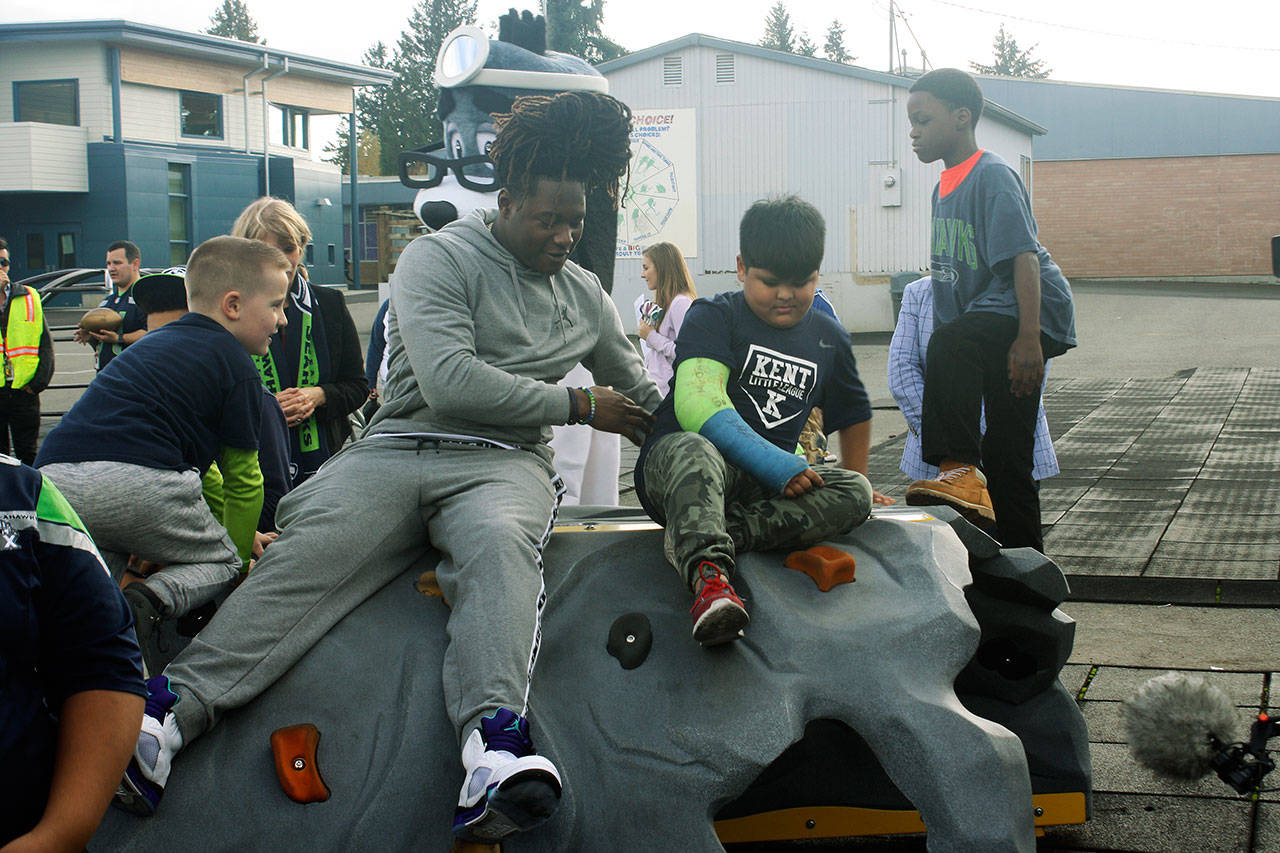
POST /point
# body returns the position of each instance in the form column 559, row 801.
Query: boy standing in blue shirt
column 130, row 454
column 720, row 469
column 1006, row 308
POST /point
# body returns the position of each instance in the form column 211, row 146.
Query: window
column 311, row 254
column 47, row 101
column 1024, row 170
column 179, row 213
column 724, row 68
column 291, row 126
column 367, row 245
column 672, row 70
column 66, row 250
column 201, row 114
column 333, row 254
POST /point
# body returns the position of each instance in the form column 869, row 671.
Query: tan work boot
column 963, row 488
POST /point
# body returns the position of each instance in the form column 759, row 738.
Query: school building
column 734, row 122
column 114, row 130
column 1152, row 184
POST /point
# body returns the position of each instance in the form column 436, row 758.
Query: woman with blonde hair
column 663, row 269
column 313, row 365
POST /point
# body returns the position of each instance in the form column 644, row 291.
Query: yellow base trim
column 850, row 822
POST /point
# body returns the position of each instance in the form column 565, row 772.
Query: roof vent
column 673, row 70
column 724, row 67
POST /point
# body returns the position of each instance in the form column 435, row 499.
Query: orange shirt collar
column 954, row 177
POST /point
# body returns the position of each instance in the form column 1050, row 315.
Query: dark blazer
column 346, row 390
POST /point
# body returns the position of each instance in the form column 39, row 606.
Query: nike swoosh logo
column 825, row 345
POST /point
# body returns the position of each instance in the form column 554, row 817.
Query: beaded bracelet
column 591, row 398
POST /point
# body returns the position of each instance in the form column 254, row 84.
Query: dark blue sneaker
column 159, row 740
column 508, row 788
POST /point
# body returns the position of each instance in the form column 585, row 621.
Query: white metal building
column 771, row 123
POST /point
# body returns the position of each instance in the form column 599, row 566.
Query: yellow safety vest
column 22, row 339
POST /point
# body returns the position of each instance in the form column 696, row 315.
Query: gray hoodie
column 476, row 341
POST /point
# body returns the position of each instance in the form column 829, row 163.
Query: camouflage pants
column 712, row 509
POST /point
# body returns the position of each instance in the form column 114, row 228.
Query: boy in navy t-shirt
column 130, row 454
column 720, row 469
column 163, row 299
column 1003, row 309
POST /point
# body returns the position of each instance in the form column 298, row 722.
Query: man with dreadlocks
column 486, row 315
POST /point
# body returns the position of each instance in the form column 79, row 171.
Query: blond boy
column 154, row 420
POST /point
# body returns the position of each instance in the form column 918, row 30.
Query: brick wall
column 1148, row 218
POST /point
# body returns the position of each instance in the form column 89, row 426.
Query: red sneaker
column 718, row 613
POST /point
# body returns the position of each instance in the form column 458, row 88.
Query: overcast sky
column 1231, row 47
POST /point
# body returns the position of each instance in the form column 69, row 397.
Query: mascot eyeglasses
column 426, row 167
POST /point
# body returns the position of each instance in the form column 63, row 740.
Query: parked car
column 51, row 284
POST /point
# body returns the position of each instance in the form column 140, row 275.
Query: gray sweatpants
column 160, row 516
column 359, row 523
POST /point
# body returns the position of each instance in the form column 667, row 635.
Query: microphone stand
column 1243, row 765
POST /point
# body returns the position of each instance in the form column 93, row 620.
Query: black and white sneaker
column 508, row 788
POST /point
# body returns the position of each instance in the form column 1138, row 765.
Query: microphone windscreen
column 1169, row 721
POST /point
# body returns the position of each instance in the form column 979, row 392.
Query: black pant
column 967, row 369
column 19, row 414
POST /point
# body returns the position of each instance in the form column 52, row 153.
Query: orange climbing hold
column 826, row 565
column 294, row 748
column 429, row 585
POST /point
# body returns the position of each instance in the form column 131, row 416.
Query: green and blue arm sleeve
column 241, row 497
column 702, row 405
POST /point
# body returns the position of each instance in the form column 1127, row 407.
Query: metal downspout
column 117, row 132
column 266, row 121
column 244, row 88
column 357, row 239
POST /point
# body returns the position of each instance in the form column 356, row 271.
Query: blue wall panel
column 128, row 199
column 325, row 221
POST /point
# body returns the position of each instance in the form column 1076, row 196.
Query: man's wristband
column 591, row 413
column 573, row 407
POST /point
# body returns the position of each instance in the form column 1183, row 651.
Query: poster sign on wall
column 661, row 204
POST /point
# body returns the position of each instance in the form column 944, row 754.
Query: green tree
column 574, row 27
column 834, row 48
column 805, row 45
column 232, row 20
column 402, row 115
column 1011, row 60
column 778, row 32
column 371, row 107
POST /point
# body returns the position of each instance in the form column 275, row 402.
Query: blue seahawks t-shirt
column 978, row 229
column 775, row 375
column 132, row 317
column 168, row 401
column 64, row 629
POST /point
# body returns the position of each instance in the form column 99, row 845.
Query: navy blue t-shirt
column 169, row 402
column 64, row 628
column 132, row 317
column 775, row 375
column 979, row 227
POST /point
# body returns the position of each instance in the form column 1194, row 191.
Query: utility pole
column 893, row 47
